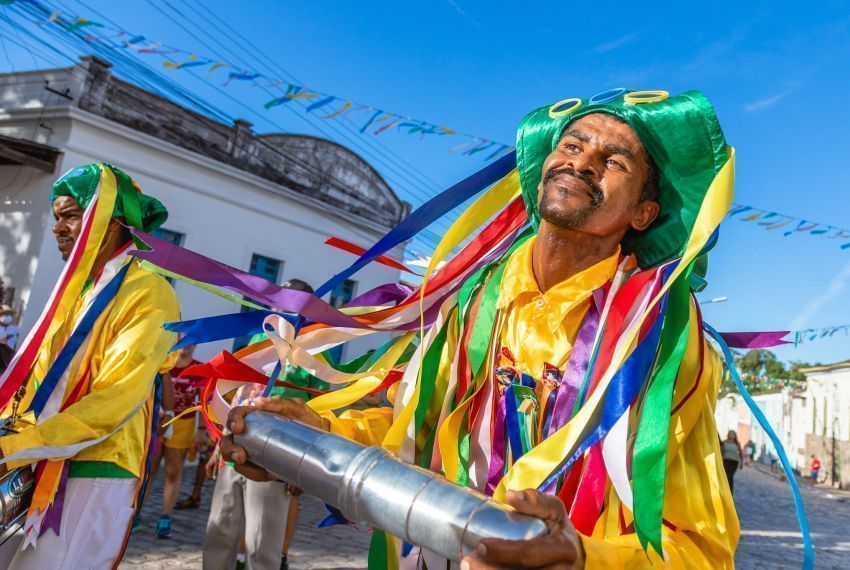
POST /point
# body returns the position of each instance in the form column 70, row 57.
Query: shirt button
column 540, row 302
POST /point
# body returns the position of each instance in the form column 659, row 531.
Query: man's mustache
column 597, row 196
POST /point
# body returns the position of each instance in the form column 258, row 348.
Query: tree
column 762, row 372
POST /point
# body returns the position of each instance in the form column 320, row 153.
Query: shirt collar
column 519, row 281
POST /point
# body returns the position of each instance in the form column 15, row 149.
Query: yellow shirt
column 540, row 328
column 127, row 348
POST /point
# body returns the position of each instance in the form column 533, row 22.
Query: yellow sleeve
column 125, row 359
column 363, row 426
column 702, row 528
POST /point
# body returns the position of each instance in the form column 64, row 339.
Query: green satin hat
column 81, row 182
column 681, row 134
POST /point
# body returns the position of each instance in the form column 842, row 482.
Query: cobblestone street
column 769, row 538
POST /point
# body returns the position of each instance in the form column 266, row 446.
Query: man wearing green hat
column 598, row 387
column 89, row 397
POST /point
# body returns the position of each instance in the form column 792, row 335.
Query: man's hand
column 559, row 550
column 286, row 407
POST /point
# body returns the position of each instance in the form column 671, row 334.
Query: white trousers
column 241, row 506
column 95, row 517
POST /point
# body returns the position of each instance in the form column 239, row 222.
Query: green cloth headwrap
column 80, row 184
column 681, row 134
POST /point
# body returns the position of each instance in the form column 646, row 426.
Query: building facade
column 261, row 203
column 814, row 421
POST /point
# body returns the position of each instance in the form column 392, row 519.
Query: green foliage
column 763, row 373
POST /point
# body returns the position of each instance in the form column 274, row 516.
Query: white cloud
column 765, row 103
column 835, row 288
column 614, row 44
column 459, row 9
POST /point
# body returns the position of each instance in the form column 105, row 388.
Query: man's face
column 68, row 216
column 593, row 180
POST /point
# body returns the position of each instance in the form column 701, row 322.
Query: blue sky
column 777, row 73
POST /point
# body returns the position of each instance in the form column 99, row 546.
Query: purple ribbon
column 200, row 268
column 53, row 516
column 497, row 452
column 764, row 339
column 381, row 295
column 576, row 368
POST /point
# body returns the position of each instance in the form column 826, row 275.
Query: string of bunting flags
column 372, row 121
column 789, row 225
column 809, row 335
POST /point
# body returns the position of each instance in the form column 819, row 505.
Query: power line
column 250, row 110
column 145, row 77
column 357, row 141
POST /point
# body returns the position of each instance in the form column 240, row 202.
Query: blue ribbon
column 244, row 324
column 624, row 387
column 209, row 329
column 57, row 369
column 808, row 547
column 157, row 402
column 426, row 214
column 272, row 379
column 512, row 423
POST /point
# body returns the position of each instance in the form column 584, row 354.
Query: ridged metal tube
column 370, row 485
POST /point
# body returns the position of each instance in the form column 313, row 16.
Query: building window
column 171, row 237
column 341, row 295
column 265, row 267
column 268, row 268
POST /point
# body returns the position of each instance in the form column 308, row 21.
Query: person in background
column 245, row 509
column 250, row 510
column 751, row 452
column 7, row 350
column 98, row 418
column 179, row 394
column 202, row 449
column 8, row 328
column 733, row 457
column 814, row 469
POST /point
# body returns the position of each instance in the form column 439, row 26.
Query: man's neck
column 559, row 254
column 107, row 251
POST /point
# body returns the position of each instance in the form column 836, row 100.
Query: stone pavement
column 769, row 538
column 312, row 548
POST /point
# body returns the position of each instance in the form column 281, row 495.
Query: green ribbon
column 378, row 559
column 649, row 460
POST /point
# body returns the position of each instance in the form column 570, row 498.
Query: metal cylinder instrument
column 371, row 485
column 16, row 490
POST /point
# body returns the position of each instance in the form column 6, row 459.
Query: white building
column 828, row 419
column 732, row 413
column 261, row 203
column 812, row 422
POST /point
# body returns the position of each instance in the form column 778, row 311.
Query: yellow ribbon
column 353, row 392
column 484, row 208
column 535, row 466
